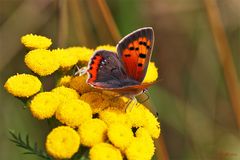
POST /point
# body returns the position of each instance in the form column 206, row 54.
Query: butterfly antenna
column 80, row 71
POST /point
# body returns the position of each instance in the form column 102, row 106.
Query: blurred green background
column 192, row 96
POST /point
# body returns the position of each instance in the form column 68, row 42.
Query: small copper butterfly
column 124, row 71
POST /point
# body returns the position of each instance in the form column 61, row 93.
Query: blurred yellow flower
column 152, row 73
column 62, row 142
column 120, row 135
column 139, row 116
column 116, row 101
column 41, row 61
column 96, row 100
column 92, row 132
column 74, row 112
column 44, row 105
column 79, row 84
column 107, row 47
column 66, row 93
column 66, row 59
column 64, row 81
column 23, row 85
column 104, row 151
column 35, row 41
column 114, row 115
column 84, row 54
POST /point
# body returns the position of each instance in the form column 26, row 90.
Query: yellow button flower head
column 114, row 115
column 44, row 105
column 104, row 151
column 141, row 117
column 152, row 73
column 120, row 135
column 23, row 85
column 107, row 47
column 62, row 142
column 97, row 101
column 41, row 61
column 64, row 81
column 79, row 84
column 34, row 41
column 74, row 112
column 143, row 133
column 84, row 54
column 66, row 93
column 92, row 132
column 66, row 59
column 140, row 149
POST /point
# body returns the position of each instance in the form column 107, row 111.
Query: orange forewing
column 134, row 57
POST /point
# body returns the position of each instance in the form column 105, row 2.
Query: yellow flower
column 73, row 112
column 34, row 41
column 62, row 142
column 84, row 54
column 114, row 115
column 140, row 149
column 66, row 93
column 41, row 61
column 104, row 151
column 97, row 101
column 44, row 105
column 143, row 133
column 120, row 135
column 140, row 116
column 92, row 132
column 64, row 81
column 66, row 59
column 79, row 84
column 152, row 73
column 107, row 47
column 23, row 85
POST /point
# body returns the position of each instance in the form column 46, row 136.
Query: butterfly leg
column 145, row 93
column 80, row 71
column 130, row 104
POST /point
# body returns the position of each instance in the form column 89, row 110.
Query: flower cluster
column 96, row 119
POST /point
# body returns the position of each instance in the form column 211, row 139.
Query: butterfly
column 123, row 72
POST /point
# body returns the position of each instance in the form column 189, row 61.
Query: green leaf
column 17, row 139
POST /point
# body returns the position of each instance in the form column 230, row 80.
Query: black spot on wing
column 141, row 55
column 131, row 48
column 144, row 43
